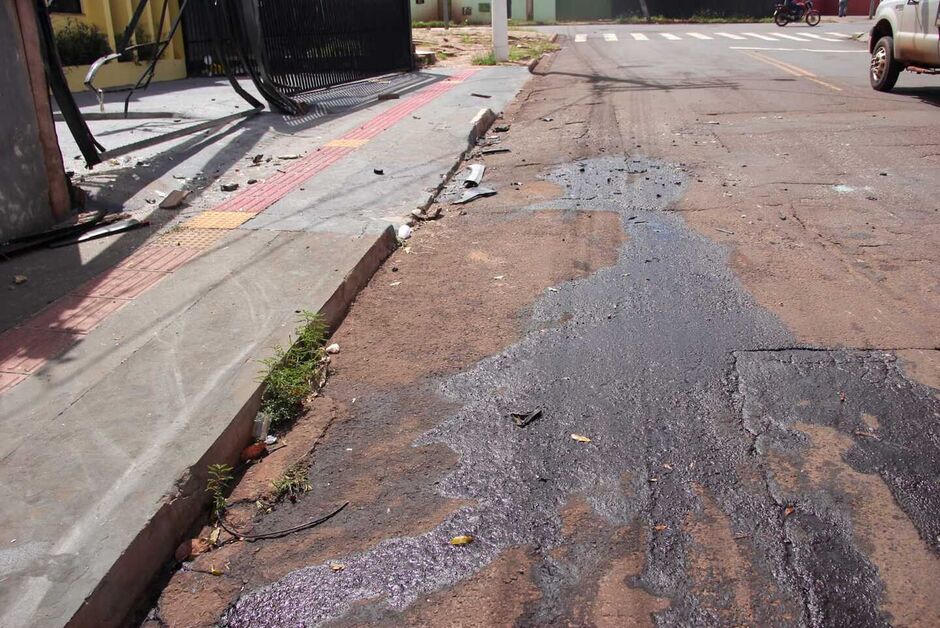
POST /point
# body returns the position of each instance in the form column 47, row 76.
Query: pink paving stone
column 75, row 313
column 24, row 350
column 163, row 259
column 259, row 197
column 120, row 283
column 9, row 380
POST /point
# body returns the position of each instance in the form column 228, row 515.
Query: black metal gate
column 302, row 45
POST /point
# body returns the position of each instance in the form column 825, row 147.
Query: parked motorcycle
column 784, row 15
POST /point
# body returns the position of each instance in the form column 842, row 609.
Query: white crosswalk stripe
column 759, row 36
column 788, row 36
column 820, row 37
column 776, row 36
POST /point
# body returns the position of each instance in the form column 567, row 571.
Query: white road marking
column 610, row 37
column 843, row 35
column 698, row 36
column 793, row 37
column 792, row 49
column 730, row 36
column 639, row 36
column 815, row 36
column 580, row 38
column 670, row 36
column 759, row 36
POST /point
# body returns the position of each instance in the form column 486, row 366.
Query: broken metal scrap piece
column 522, row 419
column 116, row 227
column 473, row 194
column 475, row 177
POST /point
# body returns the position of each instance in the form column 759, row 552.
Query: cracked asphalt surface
column 757, row 456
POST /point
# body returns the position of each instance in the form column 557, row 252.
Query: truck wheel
column 884, row 69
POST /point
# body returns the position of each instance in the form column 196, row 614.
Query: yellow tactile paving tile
column 217, row 220
column 190, row 238
column 347, row 143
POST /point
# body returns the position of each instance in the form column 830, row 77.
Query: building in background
column 85, row 28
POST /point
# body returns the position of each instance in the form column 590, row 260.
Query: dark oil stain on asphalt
column 662, row 359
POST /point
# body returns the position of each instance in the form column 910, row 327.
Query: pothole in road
column 643, row 367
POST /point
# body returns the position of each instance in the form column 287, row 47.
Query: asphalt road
column 748, row 354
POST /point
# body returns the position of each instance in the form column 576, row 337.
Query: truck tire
column 884, row 70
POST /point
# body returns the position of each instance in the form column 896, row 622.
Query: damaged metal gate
column 303, row 45
column 286, row 47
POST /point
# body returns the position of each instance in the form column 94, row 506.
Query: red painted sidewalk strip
column 25, row 349
column 259, row 197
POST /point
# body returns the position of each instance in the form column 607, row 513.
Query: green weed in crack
column 219, row 477
column 291, row 374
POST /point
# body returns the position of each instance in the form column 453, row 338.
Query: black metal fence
column 303, row 45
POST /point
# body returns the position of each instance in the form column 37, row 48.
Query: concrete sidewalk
column 129, row 385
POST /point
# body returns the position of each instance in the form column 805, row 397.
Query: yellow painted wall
column 111, row 17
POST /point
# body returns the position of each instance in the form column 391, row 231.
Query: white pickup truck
column 905, row 37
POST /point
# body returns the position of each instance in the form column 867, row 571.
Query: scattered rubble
column 174, row 199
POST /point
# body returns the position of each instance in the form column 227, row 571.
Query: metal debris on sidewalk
column 378, row 171
column 117, row 227
column 480, row 95
column 228, row 187
column 473, row 194
column 521, row 419
column 475, row 177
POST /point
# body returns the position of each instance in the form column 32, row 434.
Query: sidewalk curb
column 120, row 591
column 479, row 125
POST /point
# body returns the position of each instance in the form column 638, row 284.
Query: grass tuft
column 291, row 374
column 294, row 483
column 484, row 59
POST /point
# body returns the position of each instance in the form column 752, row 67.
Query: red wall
column 831, row 7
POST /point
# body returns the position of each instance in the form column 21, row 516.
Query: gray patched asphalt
column 664, row 361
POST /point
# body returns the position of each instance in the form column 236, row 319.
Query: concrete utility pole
column 500, row 30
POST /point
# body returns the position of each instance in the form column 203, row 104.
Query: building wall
column 545, row 11
column 111, row 17
column 26, row 185
column 427, row 12
column 584, row 10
